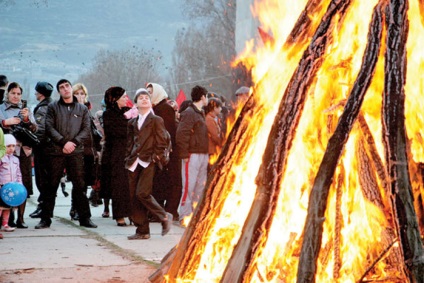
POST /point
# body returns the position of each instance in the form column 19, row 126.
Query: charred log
column 181, row 259
column 395, row 141
column 319, row 194
column 279, row 142
column 300, row 29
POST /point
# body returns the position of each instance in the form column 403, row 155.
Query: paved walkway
column 67, row 252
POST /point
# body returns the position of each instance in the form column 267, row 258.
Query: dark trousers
column 74, row 166
column 40, row 170
column 142, row 201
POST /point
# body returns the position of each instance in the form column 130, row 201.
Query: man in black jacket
column 67, row 126
column 43, row 91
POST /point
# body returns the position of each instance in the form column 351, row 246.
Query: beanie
column 9, row 139
column 62, row 81
column 139, row 92
column 112, row 95
column 44, row 88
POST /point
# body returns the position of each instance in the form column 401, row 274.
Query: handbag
column 25, row 136
column 97, row 137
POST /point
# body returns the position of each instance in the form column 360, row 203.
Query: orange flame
column 362, row 224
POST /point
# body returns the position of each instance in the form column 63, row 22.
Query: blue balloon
column 13, row 193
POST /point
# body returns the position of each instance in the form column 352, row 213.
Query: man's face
column 38, row 96
column 65, row 90
column 205, row 100
column 242, row 97
column 143, row 102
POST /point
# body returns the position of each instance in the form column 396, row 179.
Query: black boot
column 11, row 222
column 94, row 198
column 73, row 213
column 63, row 186
column 20, row 223
column 37, row 212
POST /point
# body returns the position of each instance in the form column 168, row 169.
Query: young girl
column 9, row 172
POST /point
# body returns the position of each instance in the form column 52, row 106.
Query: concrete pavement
column 68, row 252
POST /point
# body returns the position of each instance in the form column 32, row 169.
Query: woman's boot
column 20, row 223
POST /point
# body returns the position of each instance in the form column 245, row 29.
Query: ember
column 332, row 199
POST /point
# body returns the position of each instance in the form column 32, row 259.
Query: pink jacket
column 10, row 170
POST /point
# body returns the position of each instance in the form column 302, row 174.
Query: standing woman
column 15, row 112
column 80, row 92
column 114, row 176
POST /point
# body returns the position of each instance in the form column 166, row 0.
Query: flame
column 357, row 229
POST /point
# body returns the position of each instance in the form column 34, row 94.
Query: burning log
column 395, row 139
column 275, row 156
column 179, row 260
column 299, row 31
column 319, row 194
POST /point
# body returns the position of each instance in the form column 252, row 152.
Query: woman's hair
column 13, row 85
column 79, row 86
column 212, row 104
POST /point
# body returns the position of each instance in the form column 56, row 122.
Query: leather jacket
column 67, row 122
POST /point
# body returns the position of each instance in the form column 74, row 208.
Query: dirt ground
column 87, row 274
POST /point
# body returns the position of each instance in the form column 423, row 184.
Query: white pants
column 194, row 173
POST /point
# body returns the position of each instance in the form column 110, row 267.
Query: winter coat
column 192, row 133
column 67, row 122
column 114, row 176
column 40, row 112
column 214, row 133
column 10, row 170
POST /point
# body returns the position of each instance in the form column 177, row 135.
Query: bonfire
column 320, row 178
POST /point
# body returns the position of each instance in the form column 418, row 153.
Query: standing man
column 67, row 126
column 3, row 86
column 147, row 144
column 43, row 91
column 193, row 142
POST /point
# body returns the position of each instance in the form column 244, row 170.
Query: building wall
column 246, row 25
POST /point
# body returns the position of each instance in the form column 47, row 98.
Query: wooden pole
column 279, row 143
column 318, row 199
column 395, row 138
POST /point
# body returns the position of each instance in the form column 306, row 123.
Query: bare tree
column 131, row 68
column 203, row 53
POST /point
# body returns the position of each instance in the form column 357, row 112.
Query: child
column 9, row 172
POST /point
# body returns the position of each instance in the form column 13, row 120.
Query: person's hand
column 12, row 121
column 69, row 147
column 25, row 113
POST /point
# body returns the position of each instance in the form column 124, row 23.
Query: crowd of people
column 148, row 152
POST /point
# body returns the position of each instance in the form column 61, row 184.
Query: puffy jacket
column 192, row 133
column 67, row 122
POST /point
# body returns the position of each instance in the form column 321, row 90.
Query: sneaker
column 7, row 228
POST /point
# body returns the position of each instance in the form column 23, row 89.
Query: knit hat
column 139, row 92
column 112, row 95
column 158, row 93
column 62, row 81
column 44, row 88
column 9, row 139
